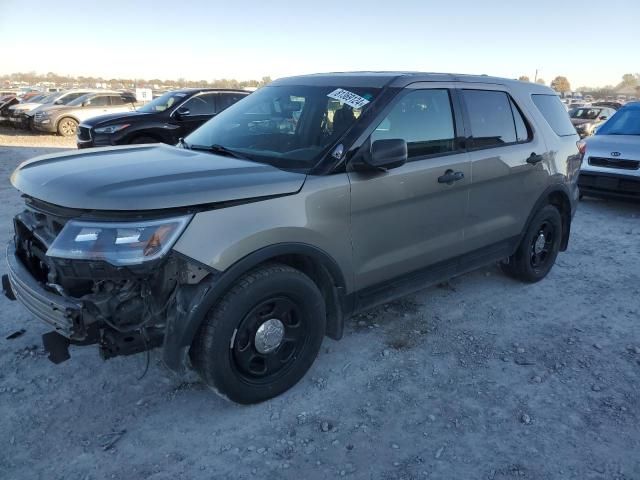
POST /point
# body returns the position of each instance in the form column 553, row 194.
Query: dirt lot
column 481, row 378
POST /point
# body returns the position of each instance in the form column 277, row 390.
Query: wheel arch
column 558, row 196
column 323, row 270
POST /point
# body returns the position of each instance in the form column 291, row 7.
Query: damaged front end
column 96, row 281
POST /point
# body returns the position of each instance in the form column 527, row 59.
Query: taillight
column 582, row 147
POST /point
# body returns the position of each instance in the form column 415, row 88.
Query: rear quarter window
column 555, row 114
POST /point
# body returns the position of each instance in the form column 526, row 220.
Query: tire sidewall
column 66, row 119
column 550, row 214
column 219, row 370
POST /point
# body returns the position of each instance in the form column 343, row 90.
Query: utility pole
column 535, row 79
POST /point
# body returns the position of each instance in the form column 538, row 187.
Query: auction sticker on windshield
column 350, row 98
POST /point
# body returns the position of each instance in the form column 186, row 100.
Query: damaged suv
column 310, row 200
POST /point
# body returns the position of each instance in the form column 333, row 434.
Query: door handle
column 534, row 158
column 450, row 176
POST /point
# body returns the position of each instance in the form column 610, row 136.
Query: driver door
column 194, row 112
column 406, row 219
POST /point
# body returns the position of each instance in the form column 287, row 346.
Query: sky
column 591, row 43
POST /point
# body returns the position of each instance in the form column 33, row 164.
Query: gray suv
column 311, row 199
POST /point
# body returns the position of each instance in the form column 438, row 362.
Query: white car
column 611, row 158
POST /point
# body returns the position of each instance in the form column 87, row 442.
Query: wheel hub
column 538, row 246
column 269, row 336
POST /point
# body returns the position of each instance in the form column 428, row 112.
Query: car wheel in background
column 539, row 247
column 67, row 127
column 262, row 336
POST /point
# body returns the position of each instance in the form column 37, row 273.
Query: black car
column 164, row 120
column 614, row 105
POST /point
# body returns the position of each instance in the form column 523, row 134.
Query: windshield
column 585, row 113
column 288, row 126
column 163, row 102
column 49, row 98
column 80, row 100
column 36, row 99
column 623, row 122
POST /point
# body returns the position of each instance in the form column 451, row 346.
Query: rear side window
column 225, row 100
column 99, row 101
column 491, row 118
column 424, row 119
column 555, row 114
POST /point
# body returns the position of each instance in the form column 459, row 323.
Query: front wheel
column 67, row 127
column 263, row 335
column 539, row 247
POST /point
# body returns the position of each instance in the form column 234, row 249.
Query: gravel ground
column 478, row 378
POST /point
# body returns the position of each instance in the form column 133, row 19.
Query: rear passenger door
column 96, row 105
column 408, row 218
column 508, row 161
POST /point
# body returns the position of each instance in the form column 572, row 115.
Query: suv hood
column 25, row 106
column 112, row 118
column 148, row 177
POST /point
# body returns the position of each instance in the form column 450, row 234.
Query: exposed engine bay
column 123, row 309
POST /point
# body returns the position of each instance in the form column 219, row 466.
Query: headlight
column 111, row 128
column 118, row 243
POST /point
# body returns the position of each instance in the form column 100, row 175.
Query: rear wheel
column 67, row 127
column 263, row 335
column 539, row 247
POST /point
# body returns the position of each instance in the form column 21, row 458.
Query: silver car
column 611, row 158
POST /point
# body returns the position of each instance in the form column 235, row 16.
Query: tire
column 143, row 139
column 67, row 127
column 539, row 247
column 231, row 352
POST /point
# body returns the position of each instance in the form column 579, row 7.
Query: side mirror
column 182, row 112
column 386, row 154
column 58, row 102
column 85, row 103
column 603, row 117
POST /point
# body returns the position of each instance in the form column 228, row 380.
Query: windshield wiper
column 220, row 150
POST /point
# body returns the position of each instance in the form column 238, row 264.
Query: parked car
column 64, row 119
column 311, row 199
column 5, row 102
column 586, row 119
column 165, row 119
column 608, row 104
column 22, row 115
column 611, row 164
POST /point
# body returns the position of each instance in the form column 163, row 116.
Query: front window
column 287, row 126
column 163, row 102
column 624, row 122
column 585, row 113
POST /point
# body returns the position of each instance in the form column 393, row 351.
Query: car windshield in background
column 288, row 126
column 585, row 113
column 163, row 102
column 80, row 100
column 624, row 122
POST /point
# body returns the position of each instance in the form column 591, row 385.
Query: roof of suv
column 401, row 79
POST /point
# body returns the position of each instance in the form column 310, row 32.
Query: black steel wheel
column 263, row 335
column 539, row 247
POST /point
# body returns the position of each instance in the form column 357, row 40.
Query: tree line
column 562, row 85
column 33, row 78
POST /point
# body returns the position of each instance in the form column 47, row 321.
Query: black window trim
column 458, row 124
column 467, row 120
